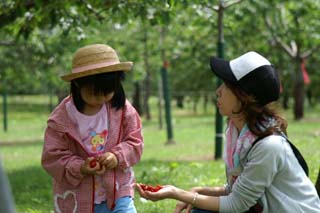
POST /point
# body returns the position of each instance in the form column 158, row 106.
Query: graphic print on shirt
column 98, row 140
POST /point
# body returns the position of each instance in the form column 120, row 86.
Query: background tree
column 287, row 26
column 38, row 38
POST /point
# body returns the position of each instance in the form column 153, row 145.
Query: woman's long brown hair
column 257, row 115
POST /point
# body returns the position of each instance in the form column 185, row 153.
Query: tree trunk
column 285, row 100
column 194, row 107
column 61, row 94
column 136, row 98
column 195, row 104
column 146, row 81
column 309, row 97
column 179, row 99
column 298, row 92
column 160, row 103
column 205, row 103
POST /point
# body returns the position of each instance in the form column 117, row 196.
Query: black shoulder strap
column 295, row 150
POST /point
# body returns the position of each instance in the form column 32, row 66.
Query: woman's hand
column 92, row 167
column 180, row 206
column 165, row 192
column 186, row 199
column 108, row 159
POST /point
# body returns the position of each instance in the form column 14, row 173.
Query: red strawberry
column 93, row 163
column 143, row 186
column 150, row 188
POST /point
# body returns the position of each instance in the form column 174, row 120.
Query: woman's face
column 227, row 102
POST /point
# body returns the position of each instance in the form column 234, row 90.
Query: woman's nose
column 218, row 91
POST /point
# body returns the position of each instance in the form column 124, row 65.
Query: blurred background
column 171, row 85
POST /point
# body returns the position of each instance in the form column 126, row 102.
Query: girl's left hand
column 108, row 159
column 163, row 193
column 90, row 167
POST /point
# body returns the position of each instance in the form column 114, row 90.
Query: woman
column 264, row 178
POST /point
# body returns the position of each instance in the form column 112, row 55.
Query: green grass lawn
column 187, row 163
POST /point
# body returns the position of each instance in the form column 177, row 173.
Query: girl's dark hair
column 104, row 83
column 257, row 115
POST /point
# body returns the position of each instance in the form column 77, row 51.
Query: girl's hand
column 163, row 193
column 92, row 167
column 108, row 159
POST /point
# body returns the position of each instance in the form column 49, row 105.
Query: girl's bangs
column 102, row 83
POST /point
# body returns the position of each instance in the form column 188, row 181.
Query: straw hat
column 95, row 59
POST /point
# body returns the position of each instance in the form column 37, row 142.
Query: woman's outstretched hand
column 155, row 195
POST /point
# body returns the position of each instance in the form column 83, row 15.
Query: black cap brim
column 222, row 69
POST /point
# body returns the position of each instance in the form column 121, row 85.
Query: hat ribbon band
column 93, row 66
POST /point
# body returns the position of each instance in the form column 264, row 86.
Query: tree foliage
column 38, row 38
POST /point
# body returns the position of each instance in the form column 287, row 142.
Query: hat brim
column 222, row 69
column 123, row 66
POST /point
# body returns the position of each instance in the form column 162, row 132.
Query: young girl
column 264, row 178
column 93, row 137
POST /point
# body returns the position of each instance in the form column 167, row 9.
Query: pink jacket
column 63, row 155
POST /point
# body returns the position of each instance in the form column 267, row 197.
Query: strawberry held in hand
column 150, row 188
column 93, row 163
